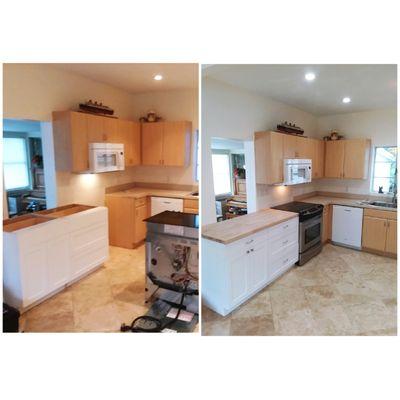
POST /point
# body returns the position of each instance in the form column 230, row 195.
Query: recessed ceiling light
column 158, row 77
column 346, row 100
column 310, row 76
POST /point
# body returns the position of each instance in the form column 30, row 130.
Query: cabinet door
column 258, row 264
column 290, row 146
column 391, row 237
column 275, row 164
column 95, row 129
column 152, row 143
column 304, row 148
column 58, row 262
column 319, row 159
column 129, row 135
column 176, row 144
column 79, row 142
column 334, row 158
column 356, row 153
column 239, row 270
column 34, row 274
column 110, row 130
column 140, row 226
column 121, row 221
column 374, row 233
column 327, row 224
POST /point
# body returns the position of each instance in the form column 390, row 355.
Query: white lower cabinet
column 233, row 273
column 42, row 259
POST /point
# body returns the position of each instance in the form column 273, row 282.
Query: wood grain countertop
column 228, row 231
column 341, row 201
column 139, row 192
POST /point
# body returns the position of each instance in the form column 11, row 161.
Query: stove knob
column 153, row 261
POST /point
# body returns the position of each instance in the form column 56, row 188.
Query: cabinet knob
column 252, row 250
column 247, row 251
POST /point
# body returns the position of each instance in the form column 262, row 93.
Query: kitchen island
column 241, row 256
column 49, row 250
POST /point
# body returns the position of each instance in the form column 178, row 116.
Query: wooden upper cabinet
column 269, row 157
column 70, row 141
column 356, row 157
column 176, row 143
column 110, row 130
column 318, row 158
column 152, row 143
column 290, row 146
column 304, row 148
column 95, row 129
column 391, row 237
column 128, row 133
column 334, row 159
column 166, row 143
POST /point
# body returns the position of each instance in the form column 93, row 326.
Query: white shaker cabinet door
column 258, row 266
column 58, row 262
column 34, row 274
column 239, row 279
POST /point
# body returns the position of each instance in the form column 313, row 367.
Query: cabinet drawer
column 281, row 244
column 191, row 210
column 284, row 228
column 190, row 203
column 243, row 245
column 285, row 258
column 369, row 212
column 140, row 202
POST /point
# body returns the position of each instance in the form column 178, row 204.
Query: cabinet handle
column 247, row 251
column 285, row 261
column 384, row 223
column 388, row 224
column 285, row 242
column 285, row 226
column 251, row 249
column 250, row 241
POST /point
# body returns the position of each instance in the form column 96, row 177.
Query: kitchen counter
column 139, row 192
column 327, row 200
column 228, row 231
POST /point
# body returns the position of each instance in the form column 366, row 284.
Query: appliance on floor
column 106, row 157
column 297, row 171
column 310, row 228
column 10, row 318
column 160, row 204
column 172, row 265
column 347, row 226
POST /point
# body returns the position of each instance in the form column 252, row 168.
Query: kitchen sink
column 382, row 204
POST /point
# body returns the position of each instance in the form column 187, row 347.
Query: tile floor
column 339, row 292
column 100, row 302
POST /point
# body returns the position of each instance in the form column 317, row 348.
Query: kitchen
column 119, row 147
column 316, row 254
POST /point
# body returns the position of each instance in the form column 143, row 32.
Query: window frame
column 228, row 153
column 371, row 189
column 24, row 136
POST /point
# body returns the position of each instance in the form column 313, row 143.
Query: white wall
column 378, row 125
column 33, row 91
column 233, row 113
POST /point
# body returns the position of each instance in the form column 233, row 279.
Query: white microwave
column 297, row 171
column 106, row 157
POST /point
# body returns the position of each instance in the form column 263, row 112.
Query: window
column 385, row 169
column 15, row 163
column 221, row 164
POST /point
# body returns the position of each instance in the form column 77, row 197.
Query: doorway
column 26, row 167
column 229, row 176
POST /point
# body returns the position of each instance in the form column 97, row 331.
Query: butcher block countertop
column 139, row 192
column 230, row 230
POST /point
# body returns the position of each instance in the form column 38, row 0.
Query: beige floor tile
column 60, row 303
column 294, row 322
column 216, row 328
column 311, row 277
column 289, row 280
column 321, row 296
column 286, row 300
column 102, row 318
column 257, row 306
column 253, row 326
column 61, row 322
column 333, row 321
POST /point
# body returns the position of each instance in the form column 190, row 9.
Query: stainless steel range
column 310, row 227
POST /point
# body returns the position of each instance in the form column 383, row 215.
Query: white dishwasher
column 347, row 226
column 160, row 204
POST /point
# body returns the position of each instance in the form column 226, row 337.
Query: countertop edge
column 253, row 231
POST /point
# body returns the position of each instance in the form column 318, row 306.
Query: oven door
column 310, row 233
